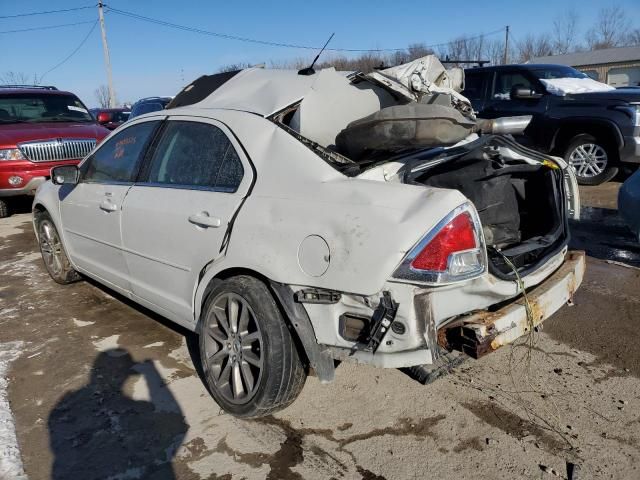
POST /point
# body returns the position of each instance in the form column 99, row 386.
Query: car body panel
column 629, row 203
column 92, row 233
column 165, row 270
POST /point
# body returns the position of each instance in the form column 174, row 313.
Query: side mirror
column 65, row 175
column 524, row 93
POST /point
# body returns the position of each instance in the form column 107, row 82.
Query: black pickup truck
column 594, row 132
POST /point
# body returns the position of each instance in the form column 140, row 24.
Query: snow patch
column 155, row 344
column 80, row 323
column 565, row 86
column 107, row 343
column 10, row 461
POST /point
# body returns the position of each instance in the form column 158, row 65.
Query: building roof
column 594, row 57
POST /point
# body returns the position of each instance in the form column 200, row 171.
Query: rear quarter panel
column 368, row 225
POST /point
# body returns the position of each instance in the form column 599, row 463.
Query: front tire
column 53, row 252
column 249, row 359
column 593, row 160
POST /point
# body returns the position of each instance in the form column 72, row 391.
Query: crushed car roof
column 256, row 90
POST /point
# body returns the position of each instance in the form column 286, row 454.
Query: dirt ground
column 105, row 389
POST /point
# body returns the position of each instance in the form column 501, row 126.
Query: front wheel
column 249, row 359
column 592, row 160
column 53, row 253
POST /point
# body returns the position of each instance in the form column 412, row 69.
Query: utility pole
column 107, row 59
column 505, row 60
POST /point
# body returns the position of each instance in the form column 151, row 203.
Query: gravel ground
column 105, row 389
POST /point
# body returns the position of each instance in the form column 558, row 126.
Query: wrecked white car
column 293, row 220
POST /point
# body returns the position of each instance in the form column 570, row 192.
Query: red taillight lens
column 456, row 236
column 104, row 117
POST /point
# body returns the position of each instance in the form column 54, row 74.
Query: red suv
column 40, row 128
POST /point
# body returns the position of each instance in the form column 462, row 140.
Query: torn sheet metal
column 424, row 76
column 333, row 102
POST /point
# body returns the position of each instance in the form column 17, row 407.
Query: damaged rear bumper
column 483, row 332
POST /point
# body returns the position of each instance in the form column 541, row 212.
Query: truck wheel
column 592, row 160
column 53, row 253
column 4, row 209
column 249, row 360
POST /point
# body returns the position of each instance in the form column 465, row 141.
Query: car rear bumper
column 486, row 331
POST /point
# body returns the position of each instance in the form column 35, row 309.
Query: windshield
column 557, row 71
column 37, row 108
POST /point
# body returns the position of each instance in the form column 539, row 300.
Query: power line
column 271, row 43
column 84, row 40
column 47, row 27
column 46, row 12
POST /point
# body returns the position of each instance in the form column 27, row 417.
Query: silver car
column 234, row 214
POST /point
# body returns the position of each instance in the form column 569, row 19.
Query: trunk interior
column 521, row 206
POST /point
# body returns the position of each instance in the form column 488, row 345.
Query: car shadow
column 99, row 432
column 191, row 338
column 602, row 233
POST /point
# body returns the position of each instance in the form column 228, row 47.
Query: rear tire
column 4, row 209
column 593, row 160
column 53, row 252
column 249, row 359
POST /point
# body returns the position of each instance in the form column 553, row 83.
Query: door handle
column 108, row 206
column 203, row 219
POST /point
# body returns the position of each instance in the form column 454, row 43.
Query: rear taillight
column 104, row 117
column 454, row 250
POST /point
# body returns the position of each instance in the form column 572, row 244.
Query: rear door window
column 117, row 160
column 474, row 86
column 195, row 155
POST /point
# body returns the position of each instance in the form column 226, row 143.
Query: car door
column 176, row 216
column 501, row 104
column 91, row 210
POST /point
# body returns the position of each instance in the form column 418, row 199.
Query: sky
column 149, row 59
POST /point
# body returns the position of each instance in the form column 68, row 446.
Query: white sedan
column 234, row 214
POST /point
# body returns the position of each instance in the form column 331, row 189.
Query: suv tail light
column 454, row 250
column 104, row 117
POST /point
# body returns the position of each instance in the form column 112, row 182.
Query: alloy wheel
column 51, row 248
column 233, row 348
column 588, row 160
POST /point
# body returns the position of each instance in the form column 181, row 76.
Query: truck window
column 473, row 86
column 505, row 81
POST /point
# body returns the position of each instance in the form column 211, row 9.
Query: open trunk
column 519, row 196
